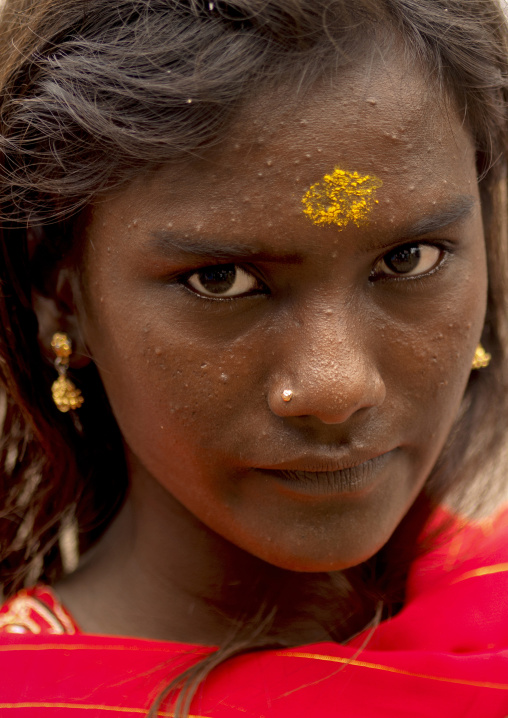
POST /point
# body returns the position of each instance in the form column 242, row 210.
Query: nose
column 329, row 371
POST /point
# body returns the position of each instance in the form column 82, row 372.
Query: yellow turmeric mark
column 341, row 197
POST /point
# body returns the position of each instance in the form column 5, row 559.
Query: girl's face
column 214, row 286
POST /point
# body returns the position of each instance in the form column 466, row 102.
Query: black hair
column 95, row 92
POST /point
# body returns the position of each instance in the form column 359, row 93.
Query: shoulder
column 462, row 551
column 36, row 611
column 457, row 592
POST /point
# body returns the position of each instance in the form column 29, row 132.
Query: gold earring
column 287, row 395
column 65, row 395
column 481, row 358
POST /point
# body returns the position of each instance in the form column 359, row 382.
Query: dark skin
column 377, row 359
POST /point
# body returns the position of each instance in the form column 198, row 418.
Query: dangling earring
column 65, row 395
column 481, row 358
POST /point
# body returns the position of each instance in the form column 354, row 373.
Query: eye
column 223, row 281
column 408, row 260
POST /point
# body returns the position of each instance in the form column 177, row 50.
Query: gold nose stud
column 287, row 395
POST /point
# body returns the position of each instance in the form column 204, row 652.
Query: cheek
column 173, row 393
column 432, row 355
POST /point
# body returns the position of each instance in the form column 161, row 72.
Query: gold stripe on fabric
column 91, row 647
column 90, row 707
column 483, row 571
column 391, row 669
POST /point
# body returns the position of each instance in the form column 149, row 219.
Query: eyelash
column 244, row 273
column 443, row 248
column 241, row 272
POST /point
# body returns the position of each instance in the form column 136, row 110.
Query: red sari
column 445, row 655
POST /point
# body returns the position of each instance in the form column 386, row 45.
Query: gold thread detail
column 90, row 707
column 340, row 198
column 483, row 571
column 199, row 650
column 391, row 669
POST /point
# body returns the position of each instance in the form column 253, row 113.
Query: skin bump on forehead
column 380, row 366
column 288, row 142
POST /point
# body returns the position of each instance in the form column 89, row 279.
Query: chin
column 319, row 561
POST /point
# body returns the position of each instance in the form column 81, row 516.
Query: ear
column 57, row 311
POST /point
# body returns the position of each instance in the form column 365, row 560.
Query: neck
column 159, row 573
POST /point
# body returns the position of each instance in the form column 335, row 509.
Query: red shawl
column 444, row 655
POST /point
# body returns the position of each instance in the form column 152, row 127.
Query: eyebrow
column 455, row 211
column 170, row 243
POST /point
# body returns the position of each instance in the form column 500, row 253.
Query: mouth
column 311, row 476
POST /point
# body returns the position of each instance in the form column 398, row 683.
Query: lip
column 319, row 476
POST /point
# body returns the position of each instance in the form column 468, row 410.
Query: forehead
column 382, row 118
